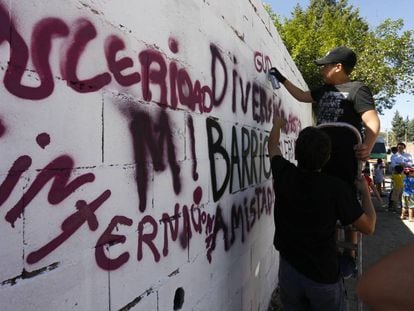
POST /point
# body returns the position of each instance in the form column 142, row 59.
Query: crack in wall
column 30, row 274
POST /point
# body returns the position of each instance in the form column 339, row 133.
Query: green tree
column 410, row 131
column 398, row 127
column 385, row 54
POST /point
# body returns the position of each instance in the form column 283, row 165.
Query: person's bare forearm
column 274, row 137
column 297, row 93
column 372, row 128
column 367, row 221
column 368, row 208
column 387, row 284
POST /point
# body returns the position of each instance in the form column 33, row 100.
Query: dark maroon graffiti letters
column 147, row 238
column 219, row 224
column 174, row 84
column 85, row 32
column 59, row 170
column 43, row 34
column 218, row 58
column 16, row 171
column 262, row 62
column 85, row 213
column 182, row 225
column 153, row 139
column 168, row 222
column 244, row 93
column 108, row 238
column 112, row 47
column 19, row 55
column 167, row 83
column 153, row 76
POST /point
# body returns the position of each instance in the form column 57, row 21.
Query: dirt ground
column 391, row 233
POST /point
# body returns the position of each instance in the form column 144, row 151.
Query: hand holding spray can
column 275, row 77
column 273, row 80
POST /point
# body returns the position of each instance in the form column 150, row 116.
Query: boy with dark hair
column 308, row 204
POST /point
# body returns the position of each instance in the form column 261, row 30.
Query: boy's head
column 394, row 150
column 379, row 161
column 365, row 171
column 313, row 149
column 398, row 169
column 400, row 147
column 340, row 55
column 409, row 171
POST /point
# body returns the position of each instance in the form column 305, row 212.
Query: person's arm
column 299, row 94
column 409, row 161
column 274, row 137
column 375, row 190
column 388, row 284
column 372, row 126
column 366, row 222
column 296, row 92
column 393, row 161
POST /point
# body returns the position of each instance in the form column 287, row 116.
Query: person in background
column 379, row 176
column 397, row 180
column 408, row 196
column 393, row 152
column 308, row 205
column 371, row 185
column 401, row 157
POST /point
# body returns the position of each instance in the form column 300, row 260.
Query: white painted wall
column 114, row 115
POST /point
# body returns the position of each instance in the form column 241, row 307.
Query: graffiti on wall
column 170, row 86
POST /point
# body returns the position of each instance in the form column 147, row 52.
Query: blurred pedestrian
column 379, row 176
column 408, row 196
column 397, row 179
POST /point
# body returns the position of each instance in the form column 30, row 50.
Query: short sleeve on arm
column 364, row 101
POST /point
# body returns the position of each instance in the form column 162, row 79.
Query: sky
column 374, row 12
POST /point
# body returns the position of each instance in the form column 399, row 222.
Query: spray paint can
column 275, row 82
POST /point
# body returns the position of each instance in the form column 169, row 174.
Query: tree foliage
column 385, row 54
column 399, row 126
column 410, row 131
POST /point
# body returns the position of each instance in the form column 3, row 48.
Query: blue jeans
column 297, row 292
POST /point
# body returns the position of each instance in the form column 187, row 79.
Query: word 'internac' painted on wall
column 133, row 143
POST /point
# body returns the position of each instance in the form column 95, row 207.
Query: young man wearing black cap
column 340, row 99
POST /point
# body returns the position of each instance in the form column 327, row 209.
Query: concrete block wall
column 133, row 141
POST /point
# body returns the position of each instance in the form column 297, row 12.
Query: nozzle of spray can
column 275, row 82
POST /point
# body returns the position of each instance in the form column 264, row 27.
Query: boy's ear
column 340, row 67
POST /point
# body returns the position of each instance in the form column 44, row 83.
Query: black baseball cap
column 341, row 55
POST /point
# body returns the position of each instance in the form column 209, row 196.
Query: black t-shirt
column 307, row 207
column 342, row 103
